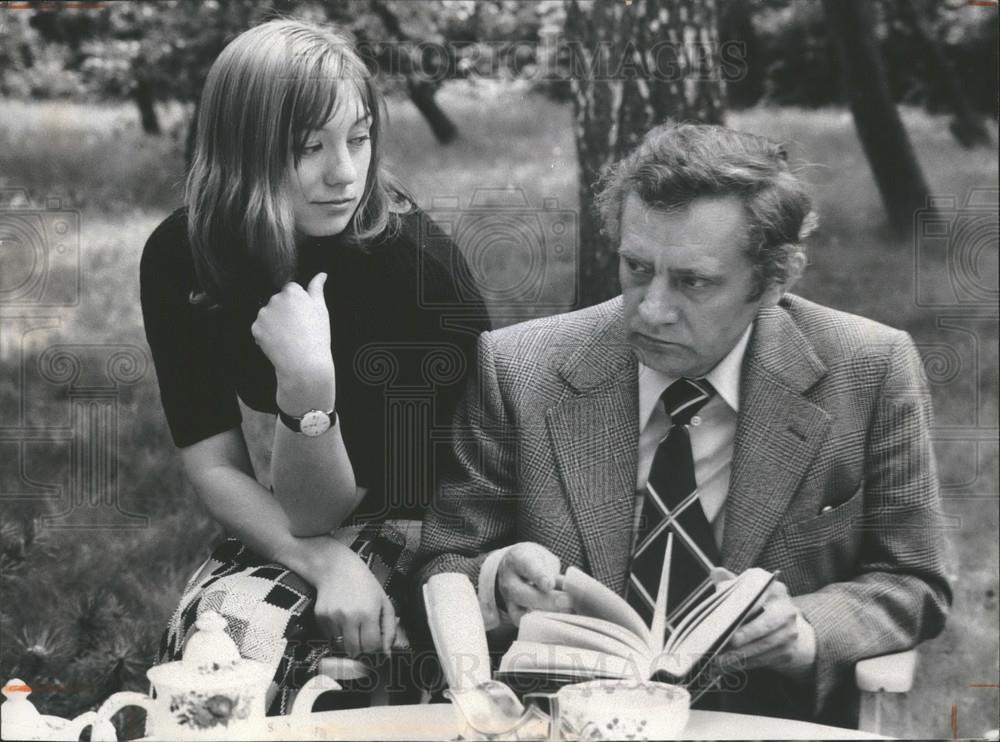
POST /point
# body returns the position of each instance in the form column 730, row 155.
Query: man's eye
column 695, row 282
column 636, row 267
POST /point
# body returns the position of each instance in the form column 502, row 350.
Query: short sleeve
column 198, row 397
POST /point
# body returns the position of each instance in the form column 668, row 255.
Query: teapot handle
column 305, row 699
column 102, row 730
column 118, row 701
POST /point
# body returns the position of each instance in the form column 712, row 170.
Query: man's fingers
column 772, row 618
column 720, row 575
column 774, row 591
column 531, row 598
column 781, row 637
column 315, row 288
column 536, row 565
column 775, row 656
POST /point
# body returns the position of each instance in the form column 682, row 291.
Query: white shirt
column 712, row 432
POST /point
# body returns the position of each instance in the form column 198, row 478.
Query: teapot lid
column 210, row 645
column 210, row 658
column 17, row 710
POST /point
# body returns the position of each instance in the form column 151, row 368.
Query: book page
column 580, row 631
column 553, row 659
column 705, row 636
column 593, row 598
column 695, row 615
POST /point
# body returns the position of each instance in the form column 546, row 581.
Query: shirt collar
column 725, row 377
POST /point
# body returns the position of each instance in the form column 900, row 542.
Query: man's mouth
column 654, row 340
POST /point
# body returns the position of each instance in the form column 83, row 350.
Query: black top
column 404, row 318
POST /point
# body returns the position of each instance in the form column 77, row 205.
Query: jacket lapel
column 778, row 433
column 594, row 436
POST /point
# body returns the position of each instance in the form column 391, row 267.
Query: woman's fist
column 293, row 331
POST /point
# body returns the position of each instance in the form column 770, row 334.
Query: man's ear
column 774, row 292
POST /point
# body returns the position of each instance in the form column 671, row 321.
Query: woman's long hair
column 267, row 90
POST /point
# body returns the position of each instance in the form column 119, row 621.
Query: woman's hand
column 293, row 331
column 350, row 602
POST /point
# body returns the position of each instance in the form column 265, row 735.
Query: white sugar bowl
column 19, row 719
column 212, row 693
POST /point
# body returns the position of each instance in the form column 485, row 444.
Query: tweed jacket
column 833, row 478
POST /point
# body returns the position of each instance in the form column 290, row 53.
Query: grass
column 96, row 600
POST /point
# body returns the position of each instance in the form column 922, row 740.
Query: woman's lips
column 338, row 204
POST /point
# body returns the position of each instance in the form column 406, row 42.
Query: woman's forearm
column 313, row 478
column 248, row 511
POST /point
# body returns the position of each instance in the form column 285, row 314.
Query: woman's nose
column 340, row 168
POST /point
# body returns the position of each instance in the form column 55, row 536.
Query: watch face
column 314, row 422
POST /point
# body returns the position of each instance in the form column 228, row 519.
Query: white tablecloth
column 437, row 721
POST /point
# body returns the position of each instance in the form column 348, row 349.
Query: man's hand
column 779, row 638
column 528, row 579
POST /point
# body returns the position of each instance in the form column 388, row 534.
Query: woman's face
column 327, row 185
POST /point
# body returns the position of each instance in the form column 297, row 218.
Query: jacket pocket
column 825, row 548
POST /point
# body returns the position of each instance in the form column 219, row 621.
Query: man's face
column 686, row 283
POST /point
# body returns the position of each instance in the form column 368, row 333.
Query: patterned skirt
column 269, row 608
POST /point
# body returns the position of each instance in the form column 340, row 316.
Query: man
column 809, row 451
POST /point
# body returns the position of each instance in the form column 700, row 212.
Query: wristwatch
column 311, row 423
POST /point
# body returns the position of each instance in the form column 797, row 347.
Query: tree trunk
column 421, row 91
column 633, row 65
column 143, row 96
column 422, row 95
column 890, row 155
column 967, row 127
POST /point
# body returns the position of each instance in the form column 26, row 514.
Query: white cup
column 624, row 709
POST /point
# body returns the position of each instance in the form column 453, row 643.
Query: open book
column 606, row 638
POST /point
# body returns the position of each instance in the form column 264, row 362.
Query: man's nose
column 658, row 305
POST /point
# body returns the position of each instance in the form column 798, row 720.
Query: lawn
column 83, row 608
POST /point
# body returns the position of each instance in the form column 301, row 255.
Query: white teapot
column 19, row 719
column 211, row 693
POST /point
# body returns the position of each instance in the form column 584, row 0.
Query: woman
column 301, row 280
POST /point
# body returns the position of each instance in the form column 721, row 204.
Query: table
column 437, row 722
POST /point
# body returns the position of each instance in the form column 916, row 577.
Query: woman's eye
column 312, row 148
column 360, row 139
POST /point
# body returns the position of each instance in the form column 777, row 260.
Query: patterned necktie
column 671, row 504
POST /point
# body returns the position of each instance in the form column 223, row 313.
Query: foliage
column 791, row 62
column 49, row 53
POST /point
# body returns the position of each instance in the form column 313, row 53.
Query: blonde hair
column 265, row 92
